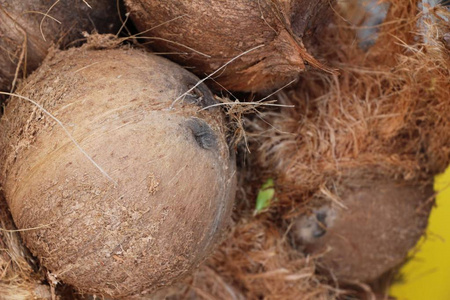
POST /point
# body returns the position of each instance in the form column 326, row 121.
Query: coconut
column 371, row 232
column 29, row 28
column 121, row 190
column 268, row 37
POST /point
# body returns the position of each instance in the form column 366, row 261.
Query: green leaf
column 265, row 196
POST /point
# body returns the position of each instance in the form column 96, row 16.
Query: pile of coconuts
column 118, row 165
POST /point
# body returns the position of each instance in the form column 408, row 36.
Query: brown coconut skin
column 20, row 30
column 173, row 171
column 221, row 30
column 372, row 231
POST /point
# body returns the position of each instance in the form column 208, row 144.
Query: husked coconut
column 371, row 231
column 131, row 191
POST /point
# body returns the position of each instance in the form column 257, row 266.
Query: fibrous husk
column 205, row 35
column 384, row 122
column 387, row 111
column 29, row 28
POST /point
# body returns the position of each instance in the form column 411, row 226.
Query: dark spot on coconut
column 196, row 97
column 321, row 217
column 200, row 95
column 310, row 227
column 319, row 231
column 321, row 225
column 203, row 134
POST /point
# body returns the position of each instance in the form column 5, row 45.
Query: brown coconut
column 29, row 28
column 155, row 204
column 368, row 232
column 206, row 35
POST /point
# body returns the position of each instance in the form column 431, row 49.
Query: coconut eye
column 322, row 222
column 319, row 231
column 200, row 95
column 321, row 218
column 203, row 134
column 195, row 96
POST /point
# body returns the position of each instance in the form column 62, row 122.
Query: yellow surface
column 427, row 275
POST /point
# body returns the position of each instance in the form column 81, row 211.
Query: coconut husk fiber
column 387, row 113
column 388, row 109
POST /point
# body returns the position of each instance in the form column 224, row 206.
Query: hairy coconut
column 152, row 202
column 370, row 233
column 205, row 35
column 29, row 28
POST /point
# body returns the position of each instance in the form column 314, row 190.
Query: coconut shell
column 205, row 35
column 26, row 33
column 155, row 205
column 370, row 233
